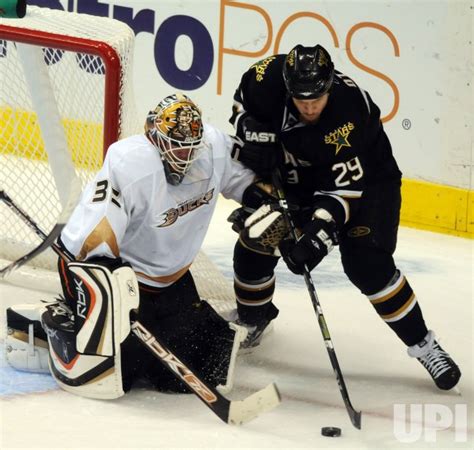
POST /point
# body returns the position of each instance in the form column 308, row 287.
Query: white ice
column 34, row 413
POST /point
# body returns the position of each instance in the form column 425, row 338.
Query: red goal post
column 108, row 54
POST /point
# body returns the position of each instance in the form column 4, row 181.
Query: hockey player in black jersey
column 342, row 183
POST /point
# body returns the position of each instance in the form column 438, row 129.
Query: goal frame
column 110, row 58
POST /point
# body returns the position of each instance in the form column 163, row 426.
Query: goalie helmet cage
column 88, row 62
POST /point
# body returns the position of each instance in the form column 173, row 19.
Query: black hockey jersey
column 330, row 163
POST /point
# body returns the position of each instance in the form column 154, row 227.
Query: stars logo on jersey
column 339, row 137
column 261, row 67
column 172, row 215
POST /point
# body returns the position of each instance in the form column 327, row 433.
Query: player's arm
column 332, row 209
column 98, row 224
column 256, row 136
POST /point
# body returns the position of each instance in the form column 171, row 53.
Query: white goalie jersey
column 130, row 211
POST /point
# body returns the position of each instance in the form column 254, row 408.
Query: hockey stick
column 230, row 411
column 47, row 240
column 354, row 415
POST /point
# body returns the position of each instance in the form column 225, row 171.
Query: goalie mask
column 175, row 128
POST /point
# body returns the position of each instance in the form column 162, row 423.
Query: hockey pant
column 191, row 329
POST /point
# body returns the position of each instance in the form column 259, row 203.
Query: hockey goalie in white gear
column 132, row 239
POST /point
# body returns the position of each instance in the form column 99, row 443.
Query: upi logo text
column 414, row 422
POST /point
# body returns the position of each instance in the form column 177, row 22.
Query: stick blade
column 266, row 399
column 356, row 419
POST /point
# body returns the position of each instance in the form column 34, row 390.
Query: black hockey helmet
column 308, row 72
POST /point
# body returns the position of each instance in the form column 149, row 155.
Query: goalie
column 132, row 239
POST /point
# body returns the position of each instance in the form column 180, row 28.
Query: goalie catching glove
column 318, row 239
column 264, row 230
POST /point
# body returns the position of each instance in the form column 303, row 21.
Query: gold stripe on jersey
column 166, row 278
column 388, row 293
column 259, row 302
column 395, row 301
column 254, row 287
column 401, row 312
column 102, row 233
column 254, row 294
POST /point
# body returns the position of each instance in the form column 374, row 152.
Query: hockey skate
column 436, row 361
column 255, row 333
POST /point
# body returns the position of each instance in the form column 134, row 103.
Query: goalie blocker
column 87, row 342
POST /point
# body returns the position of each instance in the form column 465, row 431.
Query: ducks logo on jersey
column 173, row 214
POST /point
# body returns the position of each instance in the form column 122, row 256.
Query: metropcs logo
column 410, row 422
column 197, row 24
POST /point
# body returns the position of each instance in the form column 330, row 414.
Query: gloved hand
column 264, row 229
column 318, row 239
column 254, row 196
column 256, row 146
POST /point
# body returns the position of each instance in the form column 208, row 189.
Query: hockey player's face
column 310, row 110
column 179, row 156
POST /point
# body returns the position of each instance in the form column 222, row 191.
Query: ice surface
column 34, row 413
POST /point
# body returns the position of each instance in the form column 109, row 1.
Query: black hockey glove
column 257, row 146
column 318, row 238
column 254, row 196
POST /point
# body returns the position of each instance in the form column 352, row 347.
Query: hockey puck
column 331, row 431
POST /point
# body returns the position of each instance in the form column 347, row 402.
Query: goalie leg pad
column 85, row 352
column 26, row 346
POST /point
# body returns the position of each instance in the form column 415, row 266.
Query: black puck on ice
column 331, row 431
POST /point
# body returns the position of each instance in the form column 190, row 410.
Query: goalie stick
column 355, row 416
column 47, row 240
column 234, row 412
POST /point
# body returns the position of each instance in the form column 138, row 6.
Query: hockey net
column 88, row 62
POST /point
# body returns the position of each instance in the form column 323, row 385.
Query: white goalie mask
column 175, row 128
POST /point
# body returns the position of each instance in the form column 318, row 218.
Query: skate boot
column 255, row 332
column 436, row 361
column 26, row 343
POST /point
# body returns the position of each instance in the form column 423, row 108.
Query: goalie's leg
column 26, row 343
column 192, row 330
column 85, row 341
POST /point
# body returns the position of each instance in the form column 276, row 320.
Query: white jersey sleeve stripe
column 340, row 199
column 342, row 193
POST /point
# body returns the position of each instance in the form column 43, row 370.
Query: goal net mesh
column 78, row 80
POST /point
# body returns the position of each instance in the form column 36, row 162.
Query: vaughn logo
column 172, row 215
